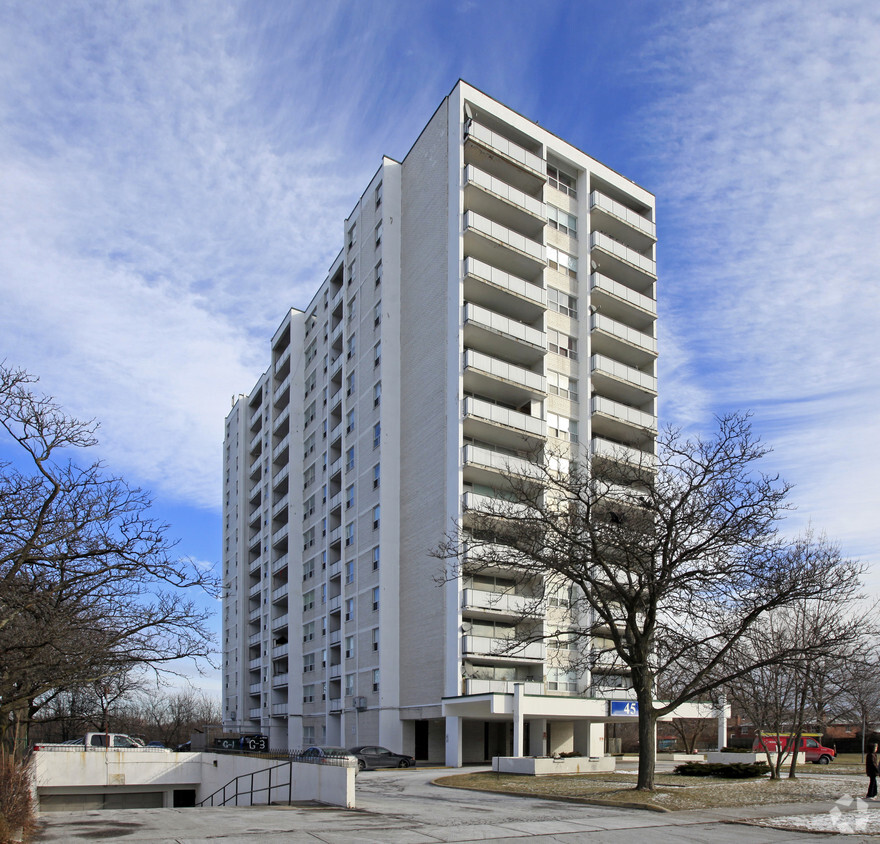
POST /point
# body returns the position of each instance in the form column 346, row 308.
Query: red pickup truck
column 809, row 745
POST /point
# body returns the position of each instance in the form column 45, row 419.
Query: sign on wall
column 623, row 708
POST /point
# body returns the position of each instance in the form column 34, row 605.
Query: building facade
column 495, row 295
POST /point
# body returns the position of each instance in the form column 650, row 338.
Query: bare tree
column 668, row 561
column 89, row 582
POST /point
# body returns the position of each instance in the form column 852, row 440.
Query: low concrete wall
column 540, row 766
column 120, row 772
column 681, row 757
column 727, row 758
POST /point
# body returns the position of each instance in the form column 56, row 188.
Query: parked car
column 371, row 756
column 155, row 744
column 809, row 746
column 321, row 752
column 97, row 741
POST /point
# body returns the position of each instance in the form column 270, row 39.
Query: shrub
column 737, row 750
column 16, row 802
column 731, row 771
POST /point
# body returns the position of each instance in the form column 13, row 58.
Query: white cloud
column 768, row 139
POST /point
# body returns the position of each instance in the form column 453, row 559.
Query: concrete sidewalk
column 402, row 807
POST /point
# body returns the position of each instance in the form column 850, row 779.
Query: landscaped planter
column 718, row 756
column 542, row 766
column 681, row 757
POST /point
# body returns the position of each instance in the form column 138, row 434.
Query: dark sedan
column 370, row 756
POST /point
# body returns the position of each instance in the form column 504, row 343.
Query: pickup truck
column 96, row 741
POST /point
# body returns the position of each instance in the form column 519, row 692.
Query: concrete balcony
column 280, row 475
column 280, row 592
column 508, row 464
column 280, row 680
column 496, row 424
column 494, row 604
column 281, row 447
column 334, row 605
column 279, row 391
column 507, row 649
column 255, row 590
column 507, row 159
column 493, row 288
column 616, row 380
column 618, row 261
column 496, row 199
column 284, row 358
column 499, row 507
column 503, row 687
column 280, row 563
column 255, row 440
column 254, row 713
column 335, row 671
column 254, row 614
column 280, row 533
column 502, row 247
column 254, row 540
column 255, row 464
column 280, row 709
column 280, row 418
column 254, row 639
column 621, row 221
column 608, row 450
column 620, row 302
column 255, row 488
column 280, row 621
column 623, row 415
column 280, row 504
column 336, row 535
column 500, row 336
column 334, row 570
column 335, row 637
column 621, row 342
column 254, row 688
column 498, row 379
column 254, row 664
column 280, row 650
column 336, row 704
column 336, row 467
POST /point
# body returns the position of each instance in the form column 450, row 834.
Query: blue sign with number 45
column 623, row 708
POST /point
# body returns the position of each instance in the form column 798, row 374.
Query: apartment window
column 352, row 346
column 308, row 600
column 375, row 679
column 308, row 693
column 349, row 571
column 562, row 303
column 561, row 180
column 309, row 476
column 376, row 517
column 310, row 382
column 377, row 313
column 376, row 476
column 559, row 384
column 379, row 233
column 309, row 631
column 349, row 497
column 308, row 538
column 324, row 429
column 561, row 220
column 308, row 569
column 562, row 428
column 309, row 444
column 349, row 609
column 377, row 274
column 349, row 534
column 323, row 593
column 379, row 195
column 349, row 684
column 349, row 384
column 562, row 344
column 324, row 493
column 562, row 261
column 323, row 560
column 351, row 236
column 377, row 434
column 349, row 647
column 376, row 558
column 324, row 526
column 375, row 638
column 375, row 598
column 377, row 394
column 377, row 353
column 562, row 680
column 323, row 625
column 308, row 735
column 349, row 426
column 349, row 459
column 324, row 462
column 311, row 351
column 308, row 506
column 308, row 663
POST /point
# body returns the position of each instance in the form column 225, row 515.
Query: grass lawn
column 672, row 792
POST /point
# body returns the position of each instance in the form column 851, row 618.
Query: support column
column 538, row 737
column 453, row 741
column 722, row 722
column 582, row 735
column 518, row 721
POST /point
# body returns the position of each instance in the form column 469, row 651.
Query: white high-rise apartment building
column 495, row 294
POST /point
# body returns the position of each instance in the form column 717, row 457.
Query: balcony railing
column 619, row 210
column 285, row 356
column 279, row 390
column 505, row 687
column 623, row 412
column 498, row 506
column 518, row 286
column 616, row 369
column 495, row 322
column 280, row 621
column 480, row 362
column 621, row 291
column 279, row 564
column 254, row 713
column 280, row 680
column 281, row 592
column 598, row 240
column 280, row 533
column 623, row 332
column 507, row 648
column 504, row 416
column 507, row 463
column 500, row 188
column 600, row 447
column 507, row 148
column 499, row 602
column 280, row 708
column 505, row 236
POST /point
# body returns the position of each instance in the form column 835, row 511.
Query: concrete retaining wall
column 538, row 766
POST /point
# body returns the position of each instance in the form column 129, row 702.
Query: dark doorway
column 421, row 748
column 184, row 798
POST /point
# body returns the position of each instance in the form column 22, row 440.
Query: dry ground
column 672, row 793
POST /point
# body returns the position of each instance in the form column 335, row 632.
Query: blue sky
column 173, row 177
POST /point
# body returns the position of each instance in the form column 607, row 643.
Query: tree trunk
column 647, row 743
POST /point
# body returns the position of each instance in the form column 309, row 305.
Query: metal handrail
column 250, row 792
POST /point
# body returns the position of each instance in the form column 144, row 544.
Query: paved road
column 402, row 807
